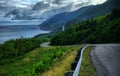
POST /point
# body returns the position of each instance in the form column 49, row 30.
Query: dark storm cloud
column 40, row 6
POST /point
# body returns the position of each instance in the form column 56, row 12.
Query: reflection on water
column 14, row 32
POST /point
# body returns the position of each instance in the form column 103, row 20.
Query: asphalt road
column 106, row 58
column 46, row 44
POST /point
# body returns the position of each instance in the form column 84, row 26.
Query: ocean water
column 18, row 31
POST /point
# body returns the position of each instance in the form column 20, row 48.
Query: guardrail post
column 77, row 58
column 69, row 73
column 73, row 65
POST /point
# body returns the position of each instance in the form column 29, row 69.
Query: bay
column 18, row 31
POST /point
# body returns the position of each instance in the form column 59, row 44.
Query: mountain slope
column 69, row 18
column 61, row 19
column 104, row 29
column 98, row 10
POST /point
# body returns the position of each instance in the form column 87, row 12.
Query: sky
column 43, row 9
column 51, row 3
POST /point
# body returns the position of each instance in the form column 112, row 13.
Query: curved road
column 46, row 44
column 106, row 58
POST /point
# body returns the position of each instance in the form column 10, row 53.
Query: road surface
column 46, row 44
column 106, row 58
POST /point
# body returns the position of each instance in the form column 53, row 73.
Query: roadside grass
column 41, row 61
column 61, row 67
column 87, row 67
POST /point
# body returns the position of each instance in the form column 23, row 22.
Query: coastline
column 20, row 31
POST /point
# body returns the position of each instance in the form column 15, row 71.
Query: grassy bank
column 12, row 50
column 64, row 65
column 41, row 61
column 87, row 67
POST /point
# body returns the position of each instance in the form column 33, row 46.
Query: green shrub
column 104, row 29
column 18, row 47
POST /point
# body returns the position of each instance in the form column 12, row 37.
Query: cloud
column 15, row 3
column 44, row 8
column 52, row 3
column 41, row 6
column 74, row 4
column 95, row 2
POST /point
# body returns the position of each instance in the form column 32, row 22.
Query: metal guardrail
column 76, row 72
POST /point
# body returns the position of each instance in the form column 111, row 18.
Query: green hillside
column 13, row 49
column 25, row 57
column 103, row 29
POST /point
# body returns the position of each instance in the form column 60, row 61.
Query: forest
column 18, row 47
column 103, row 29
